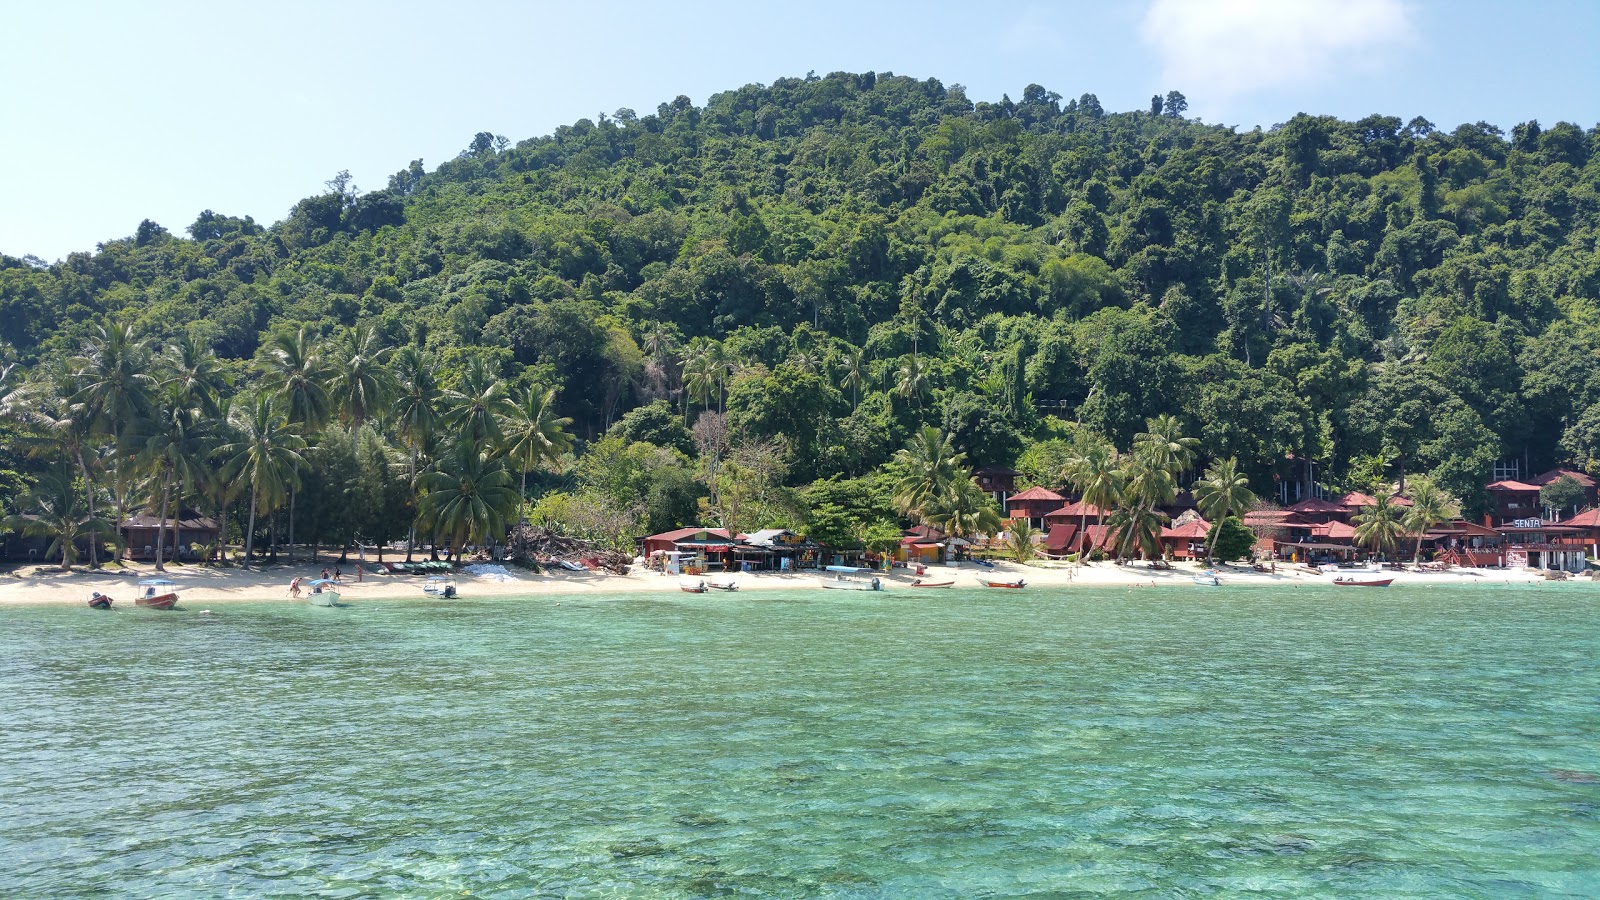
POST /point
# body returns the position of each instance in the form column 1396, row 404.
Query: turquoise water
column 1301, row 742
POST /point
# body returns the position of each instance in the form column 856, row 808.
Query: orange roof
column 1192, row 530
column 1356, row 499
column 1513, row 486
column 1036, row 493
column 1555, row 474
column 1316, row 505
column 1334, row 531
column 1079, row 508
column 1060, row 537
column 1589, row 518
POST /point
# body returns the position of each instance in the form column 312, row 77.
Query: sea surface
column 1162, row 742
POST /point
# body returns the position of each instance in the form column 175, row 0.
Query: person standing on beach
column 294, row 587
column 359, row 573
column 338, row 575
column 324, row 573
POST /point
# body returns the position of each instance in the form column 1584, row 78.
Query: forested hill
column 836, row 261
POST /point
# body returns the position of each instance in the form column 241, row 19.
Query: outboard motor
column 449, row 590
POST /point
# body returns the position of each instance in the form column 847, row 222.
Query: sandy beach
column 201, row 585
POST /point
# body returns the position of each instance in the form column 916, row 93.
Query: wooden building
column 184, row 538
column 1033, row 504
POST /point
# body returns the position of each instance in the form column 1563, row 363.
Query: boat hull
column 100, row 603
column 931, row 584
column 843, row 584
column 729, row 586
column 326, row 598
column 1009, row 585
column 1374, row 582
column 159, row 601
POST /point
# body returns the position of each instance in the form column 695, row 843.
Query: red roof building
column 1186, row 541
column 1585, row 481
column 1514, row 501
column 686, row 539
column 1033, row 504
column 1077, row 512
column 1316, row 509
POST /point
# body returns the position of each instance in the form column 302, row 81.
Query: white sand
column 200, row 585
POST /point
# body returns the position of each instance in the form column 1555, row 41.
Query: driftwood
column 530, row 543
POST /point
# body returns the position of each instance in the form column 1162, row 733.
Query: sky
column 111, row 113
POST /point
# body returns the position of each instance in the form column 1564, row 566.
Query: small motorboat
column 692, row 585
column 1343, row 581
column 98, row 600
column 1012, row 583
column 158, row 593
column 919, row 583
column 1208, row 578
column 722, row 584
column 850, row 578
column 440, row 586
column 324, row 592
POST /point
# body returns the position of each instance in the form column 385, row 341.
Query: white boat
column 1208, row 578
column 723, row 584
column 324, row 592
column 439, row 586
column 849, row 578
column 157, row 593
column 692, row 585
column 1331, row 569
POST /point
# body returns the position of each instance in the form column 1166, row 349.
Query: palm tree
column 1430, row 505
column 192, row 369
column 1021, row 540
column 60, row 515
column 855, row 371
column 474, row 406
column 172, row 456
column 416, row 415
column 361, row 385
column 1137, row 526
column 266, row 456
column 911, row 382
column 1165, row 445
column 1093, row 472
column 927, row 467
column 59, row 425
column 1379, row 526
column 534, row 434
column 1221, row 493
column 699, row 377
column 963, row 509
column 296, row 372
column 469, row 496
column 114, row 379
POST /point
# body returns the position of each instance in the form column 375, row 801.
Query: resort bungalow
column 998, row 482
column 1514, row 502
column 701, row 549
column 192, row 530
column 1317, row 510
column 778, row 548
column 1464, row 543
column 1540, row 545
column 922, row 544
column 1078, row 513
column 1583, row 479
column 1033, row 504
column 1186, row 540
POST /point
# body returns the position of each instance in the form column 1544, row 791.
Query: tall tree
column 1430, row 505
column 1380, row 526
column 59, row 514
column 1094, row 473
column 1223, row 491
column 266, row 455
column 416, row 417
column 470, row 496
column 534, row 435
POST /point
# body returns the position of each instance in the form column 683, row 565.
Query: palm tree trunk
column 291, row 523
column 161, row 524
column 1083, row 536
column 250, row 531
column 411, row 482
column 88, row 496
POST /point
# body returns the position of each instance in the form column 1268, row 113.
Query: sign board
column 1516, row 558
column 1527, row 523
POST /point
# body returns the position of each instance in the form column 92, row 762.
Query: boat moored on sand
column 1208, row 578
column 919, row 583
column 440, row 586
column 722, row 584
column 692, row 585
column 98, row 600
column 324, row 592
column 1359, row 581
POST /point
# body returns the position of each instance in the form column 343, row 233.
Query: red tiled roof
column 1036, row 493
column 188, row 519
column 1555, row 475
column 1079, row 508
column 1513, row 486
column 1589, row 518
column 1060, row 537
column 1192, row 530
column 1334, row 531
column 1316, row 505
column 678, row 534
column 1356, row 499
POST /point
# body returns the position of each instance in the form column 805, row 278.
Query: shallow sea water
column 1163, row 742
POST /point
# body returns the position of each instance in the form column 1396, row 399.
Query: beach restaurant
column 140, row 533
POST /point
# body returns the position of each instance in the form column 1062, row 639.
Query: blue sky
column 118, row 112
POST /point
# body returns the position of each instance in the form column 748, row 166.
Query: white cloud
column 1214, row 50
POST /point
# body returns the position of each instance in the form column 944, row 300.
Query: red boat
column 159, row 593
column 1368, row 582
column 919, row 583
column 98, row 600
column 689, row 586
column 1013, row 583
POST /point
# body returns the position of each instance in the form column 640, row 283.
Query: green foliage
column 838, row 263
column 1565, row 493
column 1231, row 540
